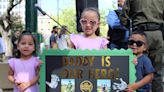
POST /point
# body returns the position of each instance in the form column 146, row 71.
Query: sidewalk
column 1, row 90
column 4, row 83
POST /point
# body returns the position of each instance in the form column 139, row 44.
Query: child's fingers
column 40, row 63
column 128, row 90
column 17, row 83
column 135, row 61
column 24, row 86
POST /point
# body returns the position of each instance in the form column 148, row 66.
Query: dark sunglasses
column 91, row 22
column 138, row 43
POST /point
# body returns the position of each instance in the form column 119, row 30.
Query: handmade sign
column 86, row 71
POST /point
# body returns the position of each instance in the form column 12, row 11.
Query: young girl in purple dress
column 24, row 68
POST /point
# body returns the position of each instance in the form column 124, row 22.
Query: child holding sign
column 144, row 69
column 90, row 21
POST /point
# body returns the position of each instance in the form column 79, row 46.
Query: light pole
column 31, row 21
column 31, row 16
column 58, row 10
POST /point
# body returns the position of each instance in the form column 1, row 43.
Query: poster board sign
column 86, row 70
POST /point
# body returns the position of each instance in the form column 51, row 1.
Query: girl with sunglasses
column 144, row 69
column 90, row 22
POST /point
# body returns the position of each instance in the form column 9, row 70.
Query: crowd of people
column 145, row 40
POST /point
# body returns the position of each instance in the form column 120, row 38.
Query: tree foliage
column 17, row 23
column 6, row 21
column 103, row 24
column 68, row 18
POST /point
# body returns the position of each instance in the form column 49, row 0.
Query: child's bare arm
column 11, row 75
column 70, row 44
column 148, row 78
column 36, row 78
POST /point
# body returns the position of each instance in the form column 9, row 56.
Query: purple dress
column 24, row 71
column 81, row 42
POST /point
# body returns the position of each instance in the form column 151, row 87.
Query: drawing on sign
column 86, row 86
column 67, row 85
column 120, row 86
column 54, row 81
column 103, row 85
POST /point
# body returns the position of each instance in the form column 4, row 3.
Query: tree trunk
column 8, row 44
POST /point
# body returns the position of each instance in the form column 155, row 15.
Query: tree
column 68, row 18
column 103, row 24
column 6, row 24
column 17, row 23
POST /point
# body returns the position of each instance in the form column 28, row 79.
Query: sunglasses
column 85, row 21
column 138, row 43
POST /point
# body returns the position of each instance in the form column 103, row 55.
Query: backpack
column 117, row 33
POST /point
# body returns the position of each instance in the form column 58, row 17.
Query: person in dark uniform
column 148, row 15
